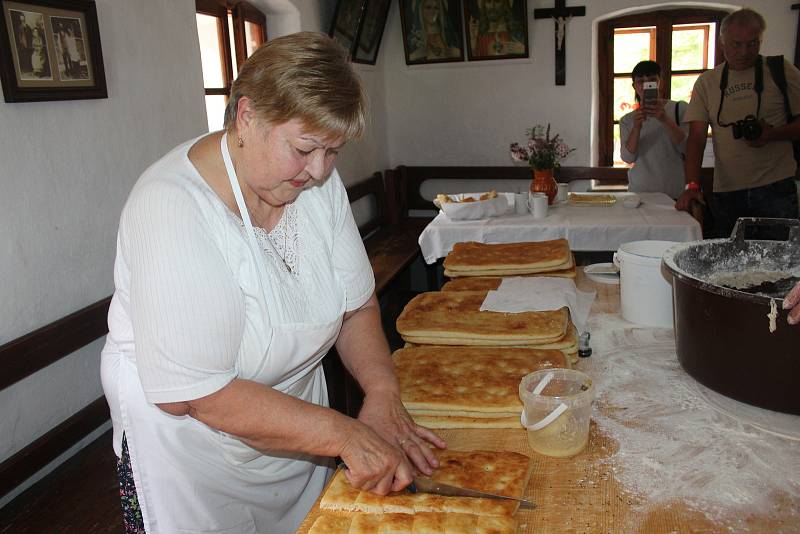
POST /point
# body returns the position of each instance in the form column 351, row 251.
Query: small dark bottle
column 584, row 350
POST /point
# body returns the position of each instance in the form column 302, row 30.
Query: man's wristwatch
column 693, row 186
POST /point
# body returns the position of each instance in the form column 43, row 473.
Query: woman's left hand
column 385, row 414
column 792, row 302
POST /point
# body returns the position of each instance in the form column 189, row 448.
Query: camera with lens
column 748, row 127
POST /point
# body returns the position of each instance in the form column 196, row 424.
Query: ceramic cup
column 563, row 189
column 538, row 202
column 521, row 203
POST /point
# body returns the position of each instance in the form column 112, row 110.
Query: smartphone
column 650, row 92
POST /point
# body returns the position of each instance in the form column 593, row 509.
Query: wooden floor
column 81, row 496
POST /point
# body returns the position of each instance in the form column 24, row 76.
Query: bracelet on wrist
column 693, row 186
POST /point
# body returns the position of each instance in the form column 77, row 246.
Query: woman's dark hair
column 646, row 68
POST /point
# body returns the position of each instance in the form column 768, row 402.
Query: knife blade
column 426, row 485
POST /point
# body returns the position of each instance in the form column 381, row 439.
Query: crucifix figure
column 561, row 15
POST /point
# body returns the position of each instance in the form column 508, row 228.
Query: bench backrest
column 372, row 188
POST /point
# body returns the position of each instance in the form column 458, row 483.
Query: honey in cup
column 568, row 434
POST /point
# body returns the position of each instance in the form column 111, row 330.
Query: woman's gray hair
column 306, row 76
column 743, row 17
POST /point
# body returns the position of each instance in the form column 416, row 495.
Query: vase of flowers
column 544, row 154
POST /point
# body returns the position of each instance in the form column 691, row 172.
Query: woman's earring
column 240, row 142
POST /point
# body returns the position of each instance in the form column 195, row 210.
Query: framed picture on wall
column 369, row 38
column 432, row 31
column 50, row 50
column 496, row 29
column 346, row 23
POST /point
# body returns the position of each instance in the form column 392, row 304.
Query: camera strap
column 758, row 87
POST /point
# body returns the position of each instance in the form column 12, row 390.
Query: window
column 682, row 41
column 228, row 31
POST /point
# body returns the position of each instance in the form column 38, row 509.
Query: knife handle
column 411, row 488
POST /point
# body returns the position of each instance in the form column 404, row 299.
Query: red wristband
column 693, row 186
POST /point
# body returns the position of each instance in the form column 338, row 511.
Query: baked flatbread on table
column 449, row 421
column 502, row 473
column 506, row 271
column 463, row 380
column 471, row 257
column 489, row 283
column 331, row 524
column 454, row 318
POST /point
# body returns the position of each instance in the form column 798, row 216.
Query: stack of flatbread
column 468, row 387
column 346, row 509
column 544, row 258
column 454, row 318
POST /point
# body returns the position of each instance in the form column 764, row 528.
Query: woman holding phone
column 653, row 139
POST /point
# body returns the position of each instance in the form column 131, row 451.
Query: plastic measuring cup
column 557, row 416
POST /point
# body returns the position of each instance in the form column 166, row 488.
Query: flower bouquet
column 543, row 153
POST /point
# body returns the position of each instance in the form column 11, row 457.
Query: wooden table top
column 585, row 493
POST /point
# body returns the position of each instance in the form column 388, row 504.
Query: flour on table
column 674, row 446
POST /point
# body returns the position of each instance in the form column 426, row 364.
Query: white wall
column 468, row 113
column 66, row 170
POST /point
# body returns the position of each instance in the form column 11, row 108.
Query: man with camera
column 754, row 166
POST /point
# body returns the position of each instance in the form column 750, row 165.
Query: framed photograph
column 496, row 29
column 432, row 31
column 346, row 23
column 369, row 38
column 50, row 50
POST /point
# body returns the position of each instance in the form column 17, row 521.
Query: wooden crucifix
column 561, row 14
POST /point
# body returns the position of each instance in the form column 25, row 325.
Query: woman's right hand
column 639, row 115
column 373, row 464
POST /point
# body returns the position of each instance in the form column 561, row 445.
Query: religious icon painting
column 369, row 38
column 432, row 31
column 346, row 22
column 496, row 29
column 50, row 50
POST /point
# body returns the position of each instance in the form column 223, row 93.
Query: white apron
column 190, row 478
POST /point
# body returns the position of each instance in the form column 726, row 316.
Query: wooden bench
column 391, row 240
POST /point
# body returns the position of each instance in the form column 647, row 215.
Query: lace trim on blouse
column 284, row 239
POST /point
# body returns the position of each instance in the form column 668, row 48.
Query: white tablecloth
column 588, row 228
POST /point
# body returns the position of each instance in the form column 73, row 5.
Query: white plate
column 602, row 275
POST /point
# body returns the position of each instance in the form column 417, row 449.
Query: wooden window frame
column 662, row 20
column 241, row 12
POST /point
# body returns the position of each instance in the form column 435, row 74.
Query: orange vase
column 543, row 182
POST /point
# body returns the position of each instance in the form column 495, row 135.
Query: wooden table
column 586, row 493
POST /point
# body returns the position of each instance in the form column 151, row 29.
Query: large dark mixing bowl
column 722, row 335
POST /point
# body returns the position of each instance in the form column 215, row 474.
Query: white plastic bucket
column 645, row 293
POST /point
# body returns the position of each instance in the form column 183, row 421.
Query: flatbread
column 506, row 271
column 365, row 524
column 339, row 495
column 448, row 421
column 434, row 379
column 330, row 524
column 425, row 522
column 455, row 315
column 472, row 255
column 568, row 268
column 503, row 473
column 488, row 283
column 496, row 525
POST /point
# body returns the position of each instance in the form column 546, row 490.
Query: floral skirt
column 131, row 513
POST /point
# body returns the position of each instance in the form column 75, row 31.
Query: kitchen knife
column 426, row 485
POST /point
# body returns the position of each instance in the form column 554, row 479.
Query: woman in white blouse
column 238, row 266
